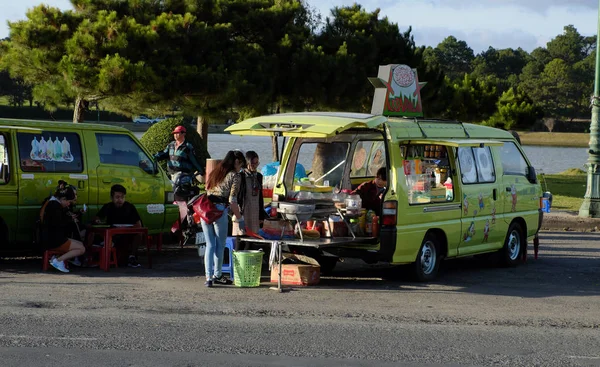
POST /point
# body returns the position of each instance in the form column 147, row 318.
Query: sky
column 481, row 23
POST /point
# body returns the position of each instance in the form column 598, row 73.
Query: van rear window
column 50, row 151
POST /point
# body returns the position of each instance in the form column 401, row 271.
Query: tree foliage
column 514, row 111
column 262, row 56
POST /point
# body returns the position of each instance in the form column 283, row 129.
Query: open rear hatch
column 306, row 124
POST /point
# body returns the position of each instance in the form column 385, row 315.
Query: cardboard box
column 297, row 274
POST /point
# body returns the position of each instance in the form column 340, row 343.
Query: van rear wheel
column 513, row 245
column 427, row 264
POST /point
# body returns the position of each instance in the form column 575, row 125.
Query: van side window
column 122, row 149
column 4, row 172
column 368, row 157
column 476, row 165
column 50, row 151
column 513, row 162
column 426, row 168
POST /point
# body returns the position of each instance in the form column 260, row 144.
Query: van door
column 519, row 194
column 121, row 160
column 8, row 192
column 481, row 201
column 45, row 157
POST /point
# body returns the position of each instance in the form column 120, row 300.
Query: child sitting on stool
column 119, row 211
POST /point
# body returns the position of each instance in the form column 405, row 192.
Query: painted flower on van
column 513, row 193
column 494, row 215
column 469, row 233
column 465, row 204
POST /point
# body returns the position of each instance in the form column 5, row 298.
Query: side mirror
column 154, row 167
column 531, row 176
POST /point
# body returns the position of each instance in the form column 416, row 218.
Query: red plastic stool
column 157, row 239
column 100, row 250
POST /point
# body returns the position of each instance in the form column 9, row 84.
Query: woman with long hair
column 222, row 189
column 250, row 197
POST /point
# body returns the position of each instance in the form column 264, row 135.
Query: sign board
column 397, row 91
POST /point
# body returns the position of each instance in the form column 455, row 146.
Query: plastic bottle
column 369, row 220
column 449, row 189
column 375, row 226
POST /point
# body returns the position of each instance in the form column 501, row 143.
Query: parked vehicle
column 34, row 156
column 453, row 189
column 143, row 119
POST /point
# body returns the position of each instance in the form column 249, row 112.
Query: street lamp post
column 591, row 201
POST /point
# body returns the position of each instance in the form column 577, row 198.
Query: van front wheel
column 513, row 245
column 428, row 259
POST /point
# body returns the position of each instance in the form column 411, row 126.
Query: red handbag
column 206, row 210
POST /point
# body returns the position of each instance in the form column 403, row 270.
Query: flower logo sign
column 397, row 91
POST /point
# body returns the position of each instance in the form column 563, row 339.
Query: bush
column 514, row 110
column 159, row 136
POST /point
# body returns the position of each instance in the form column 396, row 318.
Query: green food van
column 453, row 189
column 35, row 155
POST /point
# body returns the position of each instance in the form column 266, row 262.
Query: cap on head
column 179, row 129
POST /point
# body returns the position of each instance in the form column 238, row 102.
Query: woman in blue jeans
column 222, row 188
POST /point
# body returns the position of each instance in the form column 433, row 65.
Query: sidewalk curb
column 569, row 221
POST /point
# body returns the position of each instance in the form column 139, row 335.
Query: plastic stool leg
column 229, row 245
column 45, row 261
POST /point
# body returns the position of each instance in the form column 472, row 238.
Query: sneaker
column 208, row 283
column 222, row 280
column 133, row 263
column 75, row 261
column 58, row 265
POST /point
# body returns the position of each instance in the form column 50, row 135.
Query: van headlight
column 169, row 197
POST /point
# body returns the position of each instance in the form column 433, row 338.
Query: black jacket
column 56, row 225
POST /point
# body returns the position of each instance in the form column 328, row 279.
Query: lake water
column 544, row 159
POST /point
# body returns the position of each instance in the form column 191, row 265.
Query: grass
column 567, row 188
column 555, row 139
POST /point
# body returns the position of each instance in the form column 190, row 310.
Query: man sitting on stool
column 119, row 211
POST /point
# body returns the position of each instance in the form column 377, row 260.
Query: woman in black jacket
column 57, row 225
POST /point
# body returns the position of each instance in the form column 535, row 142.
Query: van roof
column 403, row 128
column 35, row 124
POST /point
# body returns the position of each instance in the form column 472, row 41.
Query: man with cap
column 182, row 161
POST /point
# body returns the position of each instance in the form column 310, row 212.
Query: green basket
column 247, row 266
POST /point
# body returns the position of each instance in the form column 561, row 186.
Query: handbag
column 206, row 209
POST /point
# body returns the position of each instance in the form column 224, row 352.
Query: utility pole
column 590, row 208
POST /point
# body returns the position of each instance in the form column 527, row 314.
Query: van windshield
column 321, row 163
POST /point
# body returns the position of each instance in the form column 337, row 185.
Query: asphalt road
column 545, row 312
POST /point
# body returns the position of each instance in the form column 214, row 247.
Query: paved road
column 545, row 312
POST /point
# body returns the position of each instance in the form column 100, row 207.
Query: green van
column 454, row 189
column 35, row 155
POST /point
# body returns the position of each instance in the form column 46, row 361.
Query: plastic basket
column 247, row 266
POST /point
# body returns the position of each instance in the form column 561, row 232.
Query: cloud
column 478, row 40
